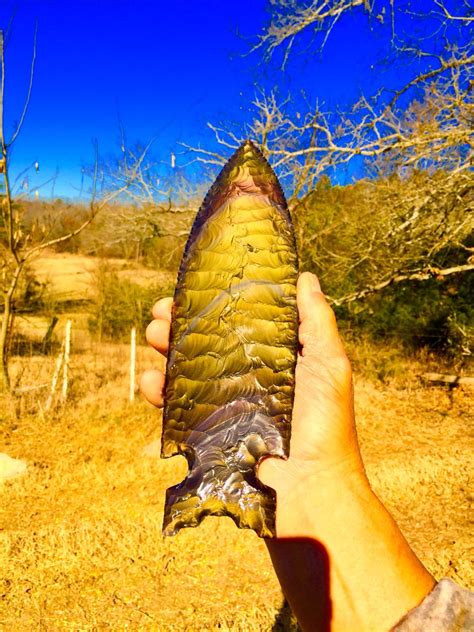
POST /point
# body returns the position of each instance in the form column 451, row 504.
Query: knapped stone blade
column 233, row 345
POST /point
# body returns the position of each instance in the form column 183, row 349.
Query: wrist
column 320, row 501
column 338, row 520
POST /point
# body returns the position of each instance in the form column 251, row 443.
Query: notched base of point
column 222, row 478
column 171, row 529
column 252, row 510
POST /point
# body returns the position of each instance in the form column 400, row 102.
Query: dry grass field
column 80, row 532
column 80, row 540
column 71, row 276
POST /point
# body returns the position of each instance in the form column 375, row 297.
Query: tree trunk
column 4, row 337
column 7, row 325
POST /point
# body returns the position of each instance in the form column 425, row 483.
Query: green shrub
column 437, row 314
column 121, row 304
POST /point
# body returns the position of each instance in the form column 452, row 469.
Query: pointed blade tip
column 249, row 144
column 249, row 150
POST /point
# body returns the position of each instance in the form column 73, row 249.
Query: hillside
column 72, row 277
column 71, row 283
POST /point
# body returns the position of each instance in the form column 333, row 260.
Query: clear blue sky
column 163, row 68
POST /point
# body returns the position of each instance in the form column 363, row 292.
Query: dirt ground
column 80, row 532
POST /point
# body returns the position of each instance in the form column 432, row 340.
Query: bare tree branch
column 291, row 17
column 462, row 18
column 417, row 275
column 28, row 95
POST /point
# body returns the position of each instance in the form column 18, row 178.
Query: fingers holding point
column 162, row 308
column 318, row 326
column 158, row 334
column 152, row 384
column 308, row 282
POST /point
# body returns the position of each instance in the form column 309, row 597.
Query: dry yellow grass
column 71, row 277
column 80, row 540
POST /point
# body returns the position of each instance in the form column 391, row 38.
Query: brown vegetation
column 80, row 532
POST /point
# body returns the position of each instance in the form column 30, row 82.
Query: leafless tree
column 290, row 18
column 156, row 200
column 21, row 241
column 415, row 143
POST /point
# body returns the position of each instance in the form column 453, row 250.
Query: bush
column 436, row 314
column 359, row 235
column 122, row 304
column 164, row 253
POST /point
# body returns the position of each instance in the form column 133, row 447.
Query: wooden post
column 67, row 351
column 48, row 337
column 54, row 381
column 133, row 352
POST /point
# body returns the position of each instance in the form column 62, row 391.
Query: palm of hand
column 323, row 430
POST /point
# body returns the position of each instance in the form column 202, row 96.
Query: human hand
column 323, row 440
column 333, row 532
column 324, row 444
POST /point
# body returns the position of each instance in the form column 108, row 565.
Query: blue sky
column 163, row 68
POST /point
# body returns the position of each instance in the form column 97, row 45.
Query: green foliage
column 121, row 304
column 357, row 236
column 336, row 228
column 437, row 314
column 164, row 253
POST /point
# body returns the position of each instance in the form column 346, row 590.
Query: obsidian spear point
column 233, row 345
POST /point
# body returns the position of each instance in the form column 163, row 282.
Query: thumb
column 318, row 328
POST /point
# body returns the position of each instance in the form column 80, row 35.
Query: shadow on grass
column 285, row 621
column 302, row 566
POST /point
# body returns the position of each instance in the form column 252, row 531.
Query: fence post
column 133, row 350
column 54, row 381
column 67, row 351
